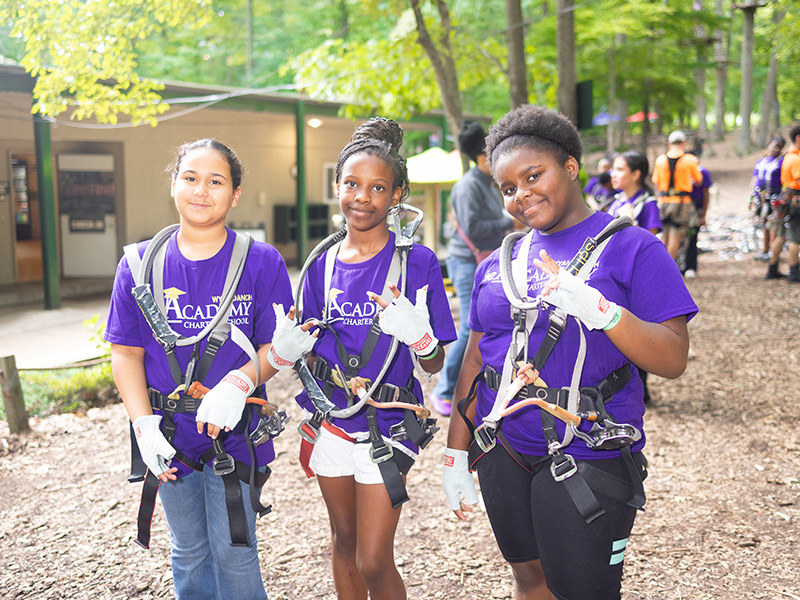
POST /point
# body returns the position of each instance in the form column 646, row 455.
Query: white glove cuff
column 278, row 363
column 240, row 380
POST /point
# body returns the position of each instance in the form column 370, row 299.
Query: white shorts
column 336, row 457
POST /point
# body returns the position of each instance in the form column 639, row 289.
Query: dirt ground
column 722, row 519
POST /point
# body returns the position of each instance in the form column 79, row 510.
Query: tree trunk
column 565, row 60
column 515, row 38
column 700, row 76
column 621, row 125
column 770, row 96
column 721, row 81
column 444, row 66
column 646, row 109
column 612, row 95
column 746, row 103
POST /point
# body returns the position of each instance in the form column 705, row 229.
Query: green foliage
column 96, row 329
column 66, row 390
column 82, row 53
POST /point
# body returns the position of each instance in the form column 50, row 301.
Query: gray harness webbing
column 152, row 263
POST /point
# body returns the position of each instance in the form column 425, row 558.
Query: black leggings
column 533, row 517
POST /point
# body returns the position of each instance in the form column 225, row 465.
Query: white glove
column 581, row 300
column 457, row 480
column 156, row 451
column 224, row 403
column 410, row 323
column 289, row 342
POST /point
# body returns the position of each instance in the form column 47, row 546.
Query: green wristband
column 432, row 354
column 614, row 318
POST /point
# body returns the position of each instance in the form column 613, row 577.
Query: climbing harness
column 189, row 390
column 581, row 408
column 417, row 425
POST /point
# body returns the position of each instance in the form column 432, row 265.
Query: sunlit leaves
column 83, row 55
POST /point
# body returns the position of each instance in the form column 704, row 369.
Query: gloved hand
column 573, row 295
column 224, row 403
column 289, row 342
column 409, row 323
column 457, row 480
column 156, row 451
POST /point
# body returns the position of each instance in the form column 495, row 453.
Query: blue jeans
column 462, row 273
column 204, row 564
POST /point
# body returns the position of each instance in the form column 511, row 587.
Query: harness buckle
column 486, row 436
column 563, row 469
column 382, row 453
column 223, row 464
column 308, row 431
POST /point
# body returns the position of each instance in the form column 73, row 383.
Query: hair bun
column 380, row 128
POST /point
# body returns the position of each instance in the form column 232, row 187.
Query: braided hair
column 379, row 137
column 535, row 127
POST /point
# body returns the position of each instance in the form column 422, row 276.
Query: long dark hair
column 233, row 160
column 637, row 161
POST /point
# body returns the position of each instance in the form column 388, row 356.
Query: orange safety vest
column 674, row 177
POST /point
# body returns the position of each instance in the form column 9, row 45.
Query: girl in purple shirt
column 176, row 445
column 350, row 291
column 635, row 199
column 632, row 309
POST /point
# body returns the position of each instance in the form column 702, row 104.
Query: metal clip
column 269, row 427
column 398, row 432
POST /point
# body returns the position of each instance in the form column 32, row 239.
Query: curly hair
column 536, row 127
column 379, row 137
column 233, row 161
column 472, row 140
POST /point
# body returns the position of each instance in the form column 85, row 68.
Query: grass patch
column 76, row 389
column 66, row 390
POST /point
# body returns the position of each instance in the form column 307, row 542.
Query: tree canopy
column 103, row 58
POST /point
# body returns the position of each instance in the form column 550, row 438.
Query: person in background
column 700, row 198
column 481, row 224
column 635, row 199
column 674, row 174
column 766, row 192
column 598, row 190
column 788, row 212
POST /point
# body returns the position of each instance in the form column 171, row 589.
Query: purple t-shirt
column 192, row 292
column 635, row 271
column 644, row 207
column 351, row 315
column 768, row 174
column 697, row 188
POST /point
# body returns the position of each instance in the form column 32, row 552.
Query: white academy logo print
column 354, row 314
column 198, row 316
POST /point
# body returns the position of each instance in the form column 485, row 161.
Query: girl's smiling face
column 365, row 191
column 538, row 190
column 202, row 188
column 622, row 178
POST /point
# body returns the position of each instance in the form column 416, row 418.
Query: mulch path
column 722, row 520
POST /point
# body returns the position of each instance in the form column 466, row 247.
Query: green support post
column 302, row 206
column 47, row 212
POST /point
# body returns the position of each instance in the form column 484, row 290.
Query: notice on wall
column 87, row 200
